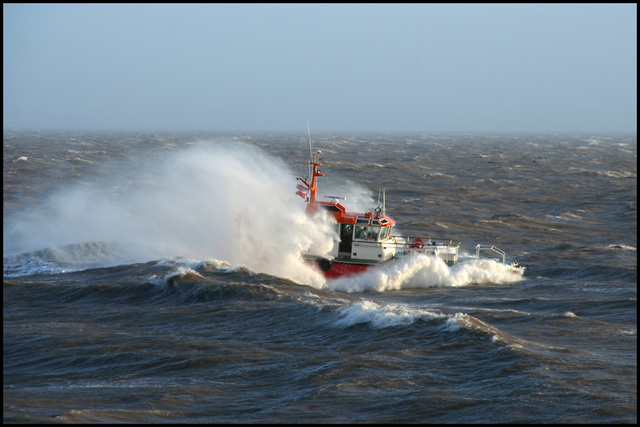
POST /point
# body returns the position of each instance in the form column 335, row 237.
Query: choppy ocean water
column 130, row 296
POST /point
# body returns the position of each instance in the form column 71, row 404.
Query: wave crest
column 423, row 271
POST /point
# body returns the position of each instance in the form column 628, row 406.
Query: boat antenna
column 384, row 202
column 310, row 148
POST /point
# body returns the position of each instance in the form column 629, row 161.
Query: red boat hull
column 336, row 269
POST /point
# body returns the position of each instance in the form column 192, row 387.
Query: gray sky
column 345, row 67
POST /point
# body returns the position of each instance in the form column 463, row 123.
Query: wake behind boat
column 366, row 239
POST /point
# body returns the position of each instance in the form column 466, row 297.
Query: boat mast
column 384, row 202
column 382, row 208
column 313, row 188
column 314, row 162
column 310, row 149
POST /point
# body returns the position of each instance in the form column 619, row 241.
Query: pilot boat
column 365, row 239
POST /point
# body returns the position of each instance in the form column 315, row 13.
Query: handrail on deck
column 425, row 241
column 499, row 251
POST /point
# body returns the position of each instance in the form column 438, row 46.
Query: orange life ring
column 417, row 243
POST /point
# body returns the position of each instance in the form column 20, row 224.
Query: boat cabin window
column 372, row 233
column 384, row 233
column 367, row 232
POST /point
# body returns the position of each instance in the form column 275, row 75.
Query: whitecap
column 621, row 247
column 384, row 316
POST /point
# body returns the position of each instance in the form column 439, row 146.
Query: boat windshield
column 384, row 233
column 367, row 232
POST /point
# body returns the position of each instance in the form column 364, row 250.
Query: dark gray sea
column 130, row 295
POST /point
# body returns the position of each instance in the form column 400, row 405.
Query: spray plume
column 224, row 201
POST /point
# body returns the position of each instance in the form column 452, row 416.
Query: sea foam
column 422, row 271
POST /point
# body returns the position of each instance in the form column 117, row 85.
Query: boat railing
column 481, row 247
column 422, row 242
column 411, row 244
